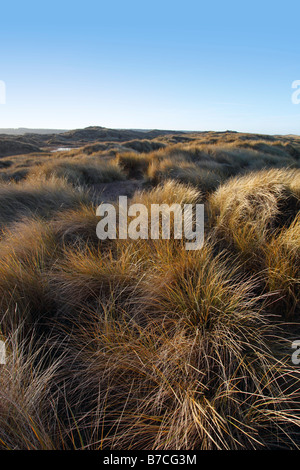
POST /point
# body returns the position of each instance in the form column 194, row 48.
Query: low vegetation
column 123, row 344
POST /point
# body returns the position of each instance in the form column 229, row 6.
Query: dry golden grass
column 197, row 372
column 27, row 408
column 26, row 251
column 76, row 226
column 185, row 172
column 255, row 204
column 82, row 171
column 169, row 192
column 89, row 279
column 37, row 196
column 123, row 344
column 258, row 215
column 282, row 267
column 134, row 164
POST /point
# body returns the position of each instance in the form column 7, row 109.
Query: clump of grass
column 168, row 192
column 263, row 201
column 199, row 374
column 82, row 171
column 28, row 419
column 37, row 196
column 91, row 278
column 282, row 268
column 76, row 227
column 199, row 287
column 185, row 172
column 134, row 164
column 27, row 250
column 257, row 215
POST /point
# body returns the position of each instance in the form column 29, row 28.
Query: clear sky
column 194, row 65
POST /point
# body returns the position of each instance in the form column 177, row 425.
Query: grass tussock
column 197, row 369
column 258, row 216
column 168, row 192
column 39, row 197
column 79, row 172
column 282, row 268
column 27, row 250
column 185, row 172
column 134, row 164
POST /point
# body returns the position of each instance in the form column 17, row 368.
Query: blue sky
column 189, row 65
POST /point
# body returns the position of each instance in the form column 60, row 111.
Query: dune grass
column 140, row 344
column 37, row 196
column 134, row 164
column 85, row 171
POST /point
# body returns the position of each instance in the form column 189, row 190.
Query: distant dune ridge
column 22, row 140
column 140, row 344
column 13, row 143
